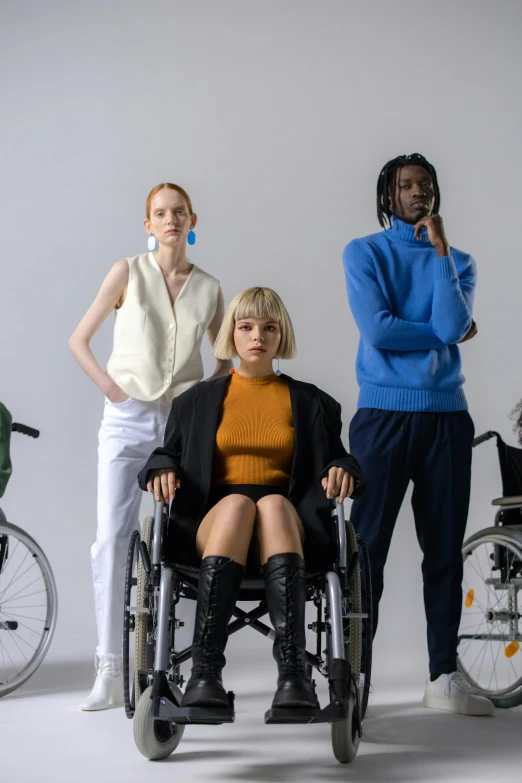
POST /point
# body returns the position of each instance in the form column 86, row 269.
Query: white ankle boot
column 108, row 686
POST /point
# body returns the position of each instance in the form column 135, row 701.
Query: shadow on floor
column 57, row 677
column 399, row 743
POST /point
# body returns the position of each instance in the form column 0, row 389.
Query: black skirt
column 253, row 491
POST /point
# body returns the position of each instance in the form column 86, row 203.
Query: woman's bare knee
column 278, row 527
column 227, row 529
column 237, row 506
column 277, row 512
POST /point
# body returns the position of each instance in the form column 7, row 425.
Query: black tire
column 354, row 632
column 142, row 622
column 130, row 582
column 367, row 647
column 508, row 702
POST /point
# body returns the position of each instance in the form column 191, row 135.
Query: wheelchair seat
column 252, row 587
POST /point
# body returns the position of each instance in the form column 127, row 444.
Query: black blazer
column 189, row 444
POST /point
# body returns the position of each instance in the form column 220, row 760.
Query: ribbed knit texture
column 255, row 436
column 411, row 308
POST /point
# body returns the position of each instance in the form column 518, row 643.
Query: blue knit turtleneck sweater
column 412, row 309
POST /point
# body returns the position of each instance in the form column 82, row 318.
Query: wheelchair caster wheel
column 345, row 732
column 155, row 739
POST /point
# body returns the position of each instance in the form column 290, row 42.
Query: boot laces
column 292, row 658
column 211, row 656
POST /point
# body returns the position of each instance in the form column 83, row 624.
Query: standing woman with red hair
column 163, row 305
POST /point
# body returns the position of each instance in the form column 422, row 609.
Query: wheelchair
column 151, row 666
column 28, row 597
column 490, row 635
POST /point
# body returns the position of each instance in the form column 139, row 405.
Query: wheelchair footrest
column 211, row 715
column 336, row 710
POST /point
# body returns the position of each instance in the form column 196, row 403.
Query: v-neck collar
column 159, row 269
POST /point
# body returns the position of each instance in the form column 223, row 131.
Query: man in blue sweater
column 411, row 295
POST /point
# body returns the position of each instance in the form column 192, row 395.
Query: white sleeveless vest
column 157, row 346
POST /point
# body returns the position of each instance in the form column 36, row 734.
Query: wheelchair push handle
column 484, row 437
column 25, row 430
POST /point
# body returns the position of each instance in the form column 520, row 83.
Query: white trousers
column 129, row 432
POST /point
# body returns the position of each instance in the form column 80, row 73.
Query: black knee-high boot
column 285, row 584
column 219, row 583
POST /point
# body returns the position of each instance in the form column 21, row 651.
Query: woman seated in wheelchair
column 252, row 462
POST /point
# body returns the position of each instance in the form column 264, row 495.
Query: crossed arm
column 451, row 320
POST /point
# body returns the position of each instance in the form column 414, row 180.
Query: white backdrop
column 276, row 116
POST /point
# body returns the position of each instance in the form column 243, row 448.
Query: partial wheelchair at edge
column 152, row 678
column 490, row 635
column 28, row 596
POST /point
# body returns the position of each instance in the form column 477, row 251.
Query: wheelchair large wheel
column 155, row 739
column 367, row 628
column 359, row 630
column 129, row 621
column 354, row 604
column 137, row 653
column 142, row 652
column 490, row 635
column 28, row 606
column 345, row 733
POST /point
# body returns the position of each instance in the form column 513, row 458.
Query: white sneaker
column 108, row 686
column 453, row 693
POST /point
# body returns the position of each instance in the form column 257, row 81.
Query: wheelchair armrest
column 157, row 536
column 513, row 502
column 337, row 514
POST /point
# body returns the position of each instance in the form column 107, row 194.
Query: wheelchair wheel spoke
column 483, row 659
column 7, row 653
column 15, row 576
column 7, row 600
column 29, row 595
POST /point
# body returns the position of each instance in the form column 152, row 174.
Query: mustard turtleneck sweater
column 255, row 436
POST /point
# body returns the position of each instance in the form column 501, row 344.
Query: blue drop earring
column 278, row 371
column 191, row 237
column 152, row 243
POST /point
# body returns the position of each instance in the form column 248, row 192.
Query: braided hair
column 387, row 183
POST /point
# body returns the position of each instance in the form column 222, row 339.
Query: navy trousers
column 434, row 451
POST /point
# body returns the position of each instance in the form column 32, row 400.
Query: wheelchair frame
column 168, row 581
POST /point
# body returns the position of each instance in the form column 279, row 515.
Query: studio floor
column 44, row 737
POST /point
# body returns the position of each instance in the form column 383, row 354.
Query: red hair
column 170, row 186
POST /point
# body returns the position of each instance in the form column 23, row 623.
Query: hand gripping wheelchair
column 490, row 636
column 152, row 679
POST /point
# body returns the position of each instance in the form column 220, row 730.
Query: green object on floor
column 6, row 469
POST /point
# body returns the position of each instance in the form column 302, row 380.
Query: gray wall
column 276, row 117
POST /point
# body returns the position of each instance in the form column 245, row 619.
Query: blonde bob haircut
column 255, row 303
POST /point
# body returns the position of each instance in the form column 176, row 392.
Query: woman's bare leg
column 278, row 527
column 227, row 529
